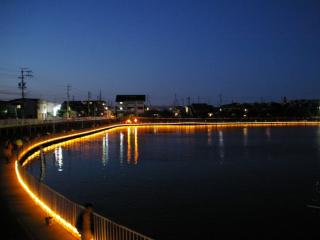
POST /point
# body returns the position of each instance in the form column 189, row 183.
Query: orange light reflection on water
column 189, row 128
column 129, row 145
column 136, row 146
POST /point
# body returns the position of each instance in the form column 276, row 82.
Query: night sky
column 246, row 50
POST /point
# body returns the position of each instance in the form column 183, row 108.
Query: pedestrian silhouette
column 85, row 223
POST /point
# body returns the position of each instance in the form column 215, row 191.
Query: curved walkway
column 21, row 218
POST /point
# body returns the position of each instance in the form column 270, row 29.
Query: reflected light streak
column 105, row 150
column 221, row 146
column 121, row 148
column 116, row 127
column 268, row 133
column 136, row 147
column 58, row 158
column 129, row 145
column 209, row 136
column 245, row 136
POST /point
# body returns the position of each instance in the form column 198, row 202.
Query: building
column 91, row 108
column 32, row 108
column 127, row 105
column 4, row 109
column 76, row 109
column 201, row 110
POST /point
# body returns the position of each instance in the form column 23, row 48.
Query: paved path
column 20, row 217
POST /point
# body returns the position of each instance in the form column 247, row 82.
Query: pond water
column 187, row 182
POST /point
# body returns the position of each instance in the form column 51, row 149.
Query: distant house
column 130, row 105
column 32, row 108
column 4, row 109
column 88, row 108
column 201, row 110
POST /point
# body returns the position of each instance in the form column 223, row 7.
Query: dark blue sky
column 244, row 50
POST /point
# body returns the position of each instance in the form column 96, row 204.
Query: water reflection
column 105, row 149
column 245, row 136
column 268, row 133
column 209, row 133
column 58, row 155
column 136, row 146
column 129, row 145
column 221, row 146
column 121, row 148
column 155, row 130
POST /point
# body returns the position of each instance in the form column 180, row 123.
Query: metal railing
column 104, row 229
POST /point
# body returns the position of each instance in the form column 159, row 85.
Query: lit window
column 18, row 106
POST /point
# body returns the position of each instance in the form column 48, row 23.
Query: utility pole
column 148, row 101
column 68, row 99
column 22, row 84
column 175, row 101
column 220, row 99
column 188, row 100
column 25, row 73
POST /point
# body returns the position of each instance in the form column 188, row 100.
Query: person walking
column 85, row 222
